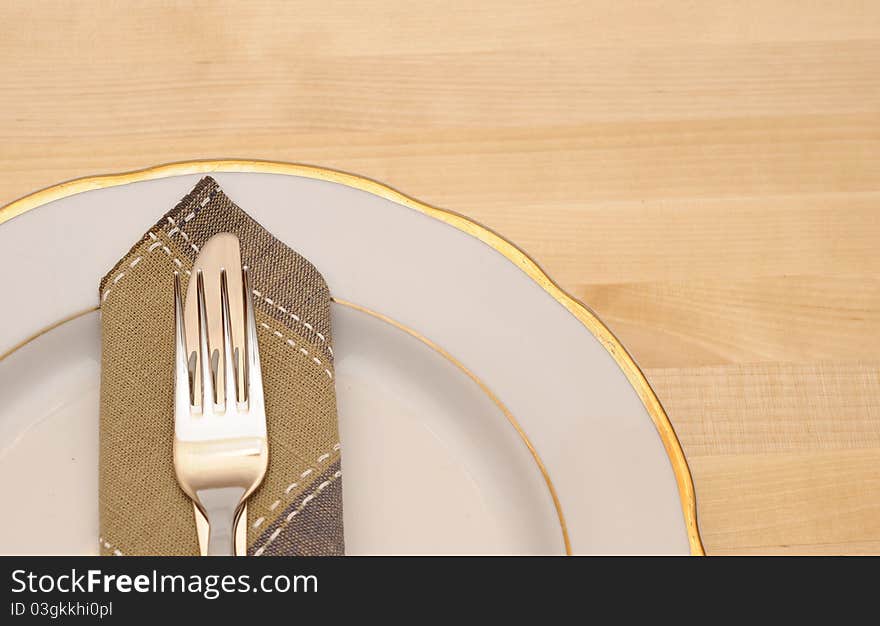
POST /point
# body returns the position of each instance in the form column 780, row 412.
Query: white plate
column 479, row 340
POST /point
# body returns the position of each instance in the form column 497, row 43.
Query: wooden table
column 704, row 175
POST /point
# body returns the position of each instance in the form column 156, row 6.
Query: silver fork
column 220, row 447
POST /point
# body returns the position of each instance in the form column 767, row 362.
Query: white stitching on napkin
column 320, row 460
column 292, row 344
column 295, row 512
column 156, row 245
column 177, row 230
column 107, row 544
column 294, row 317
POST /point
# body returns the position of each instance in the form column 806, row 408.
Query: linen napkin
column 297, row 510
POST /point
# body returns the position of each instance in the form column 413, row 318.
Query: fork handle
column 203, row 529
column 220, row 506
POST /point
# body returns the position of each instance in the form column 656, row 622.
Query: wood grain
column 705, row 175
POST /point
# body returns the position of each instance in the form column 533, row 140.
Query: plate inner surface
column 431, row 464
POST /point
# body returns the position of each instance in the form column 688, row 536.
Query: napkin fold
column 297, row 510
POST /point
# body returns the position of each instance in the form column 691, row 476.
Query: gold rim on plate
column 522, row 260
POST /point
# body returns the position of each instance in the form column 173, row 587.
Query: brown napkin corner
column 298, row 508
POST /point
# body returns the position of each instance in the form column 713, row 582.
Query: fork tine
column 230, row 366
column 181, row 370
column 205, row 359
column 253, row 373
